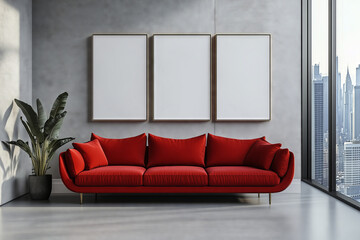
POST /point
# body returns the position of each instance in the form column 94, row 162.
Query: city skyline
column 347, row 130
column 347, row 34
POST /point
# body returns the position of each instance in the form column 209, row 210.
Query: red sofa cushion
column 176, row 176
column 74, row 162
column 126, row 151
column 222, row 151
column 241, row 176
column 167, row 151
column 92, row 153
column 281, row 162
column 261, row 154
column 111, row 176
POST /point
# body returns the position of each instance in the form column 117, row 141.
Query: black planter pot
column 40, row 187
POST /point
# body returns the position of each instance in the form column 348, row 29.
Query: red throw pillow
column 281, row 162
column 92, row 153
column 126, row 151
column 167, row 151
column 261, row 154
column 222, row 151
column 74, row 162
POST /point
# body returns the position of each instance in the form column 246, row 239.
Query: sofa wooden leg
column 258, row 195
column 269, row 198
column 81, row 198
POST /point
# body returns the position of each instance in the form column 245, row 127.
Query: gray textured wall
column 61, row 31
column 15, row 82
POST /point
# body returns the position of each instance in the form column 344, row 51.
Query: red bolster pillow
column 74, row 162
column 281, row 162
column 261, row 154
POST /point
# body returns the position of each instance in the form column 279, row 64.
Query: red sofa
column 195, row 165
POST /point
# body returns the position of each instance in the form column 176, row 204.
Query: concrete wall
column 15, row 82
column 61, row 51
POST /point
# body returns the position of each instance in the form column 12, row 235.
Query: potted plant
column 44, row 139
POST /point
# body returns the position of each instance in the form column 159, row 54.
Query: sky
column 347, row 35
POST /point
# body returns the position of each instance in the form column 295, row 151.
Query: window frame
column 306, row 67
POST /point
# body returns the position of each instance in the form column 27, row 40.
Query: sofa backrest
column 280, row 163
column 220, row 151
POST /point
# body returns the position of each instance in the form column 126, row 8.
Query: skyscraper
column 348, row 108
column 317, row 75
column 339, row 100
column 352, row 169
column 358, row 75
column 318, row 122
column 326, row 103
column 356, row 120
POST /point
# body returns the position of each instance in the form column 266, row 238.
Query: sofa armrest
column 287, row 179
column 65, row 177
column 74, row 162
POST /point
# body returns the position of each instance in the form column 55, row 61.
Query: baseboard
column 59, row 187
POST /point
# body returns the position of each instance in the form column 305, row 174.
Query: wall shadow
column 13, row 171
column 10, row 165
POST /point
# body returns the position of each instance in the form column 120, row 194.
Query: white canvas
column 243, row 77
column 182, row 77
column 119, row 77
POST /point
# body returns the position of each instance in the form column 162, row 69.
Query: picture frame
column 119, row 77
column 181, row 75
column 243, row 77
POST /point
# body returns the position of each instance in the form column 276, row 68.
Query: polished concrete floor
column 309, row 215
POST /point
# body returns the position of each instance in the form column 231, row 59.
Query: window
column 348, row 98
column 331, row 98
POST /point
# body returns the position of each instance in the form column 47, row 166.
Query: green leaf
column 24, row 146
column 26, row 126
column 31, row 118
column 54, row 134
column 41, row 114
column 59, row 105
column 55, row 144
column 53, row 125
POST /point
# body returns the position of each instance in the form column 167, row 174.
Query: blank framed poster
column 181, row 77
column 119, row 88
column 243, row 77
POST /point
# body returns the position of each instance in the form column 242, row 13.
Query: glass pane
column 319, row 101
column 348, row 98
